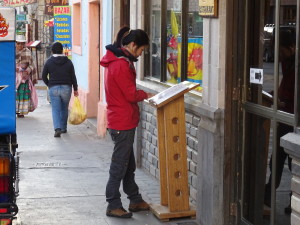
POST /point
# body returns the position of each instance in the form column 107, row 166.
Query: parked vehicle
column 9, row 176
column 269, row 38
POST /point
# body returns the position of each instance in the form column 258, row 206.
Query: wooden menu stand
column 171, row 128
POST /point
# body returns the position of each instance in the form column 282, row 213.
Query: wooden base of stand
column 267, row 211
column 163, row 213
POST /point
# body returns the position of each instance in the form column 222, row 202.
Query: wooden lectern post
column 171, row 128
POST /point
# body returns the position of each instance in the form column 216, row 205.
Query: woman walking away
column 122, row 97
column 59, row 75
column 26, row 77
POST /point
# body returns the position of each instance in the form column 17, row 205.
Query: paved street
column 62, row 180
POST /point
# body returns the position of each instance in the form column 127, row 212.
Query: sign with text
column 21, row 17
column 62, row 27
column 21, row 24
column 14, row 3
column 49, row 4
column 208, row 8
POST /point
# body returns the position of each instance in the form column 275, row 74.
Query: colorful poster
column 195, row 60
column 62, row 27
column 7, row 24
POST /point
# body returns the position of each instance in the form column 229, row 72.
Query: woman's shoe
column 119, row 213
column 137, row 207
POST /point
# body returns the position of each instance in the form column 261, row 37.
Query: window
column 156, row 40
column 76, row 26
column 176, row 33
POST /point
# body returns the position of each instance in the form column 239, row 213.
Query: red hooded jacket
column 120, row 89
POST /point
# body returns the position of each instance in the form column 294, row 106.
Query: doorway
column 262, row 98
column 94, row 58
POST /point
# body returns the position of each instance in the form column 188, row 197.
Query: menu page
column 168, row 93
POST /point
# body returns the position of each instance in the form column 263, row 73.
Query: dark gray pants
column 122, row 168
column 281, row 156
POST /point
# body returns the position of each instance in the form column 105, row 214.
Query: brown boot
column 119, row 213
column 141, row 206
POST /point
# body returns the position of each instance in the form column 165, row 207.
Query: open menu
column 170, row 92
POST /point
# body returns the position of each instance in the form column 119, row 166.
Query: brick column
column 291, row 145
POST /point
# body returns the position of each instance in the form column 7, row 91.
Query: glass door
column 267, row 45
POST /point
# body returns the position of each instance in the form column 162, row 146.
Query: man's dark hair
column 57, row 48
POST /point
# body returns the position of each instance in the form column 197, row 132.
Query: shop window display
column 174, row 44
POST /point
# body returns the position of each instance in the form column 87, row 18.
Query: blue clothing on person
column 60, row 97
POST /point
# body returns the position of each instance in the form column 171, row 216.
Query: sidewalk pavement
column 62, row 180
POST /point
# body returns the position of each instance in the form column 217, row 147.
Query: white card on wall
column 7, row 24
column 256, row 76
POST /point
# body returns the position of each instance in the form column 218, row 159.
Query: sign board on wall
column 14, row 3
column 62, row 27
column 49, row 4
column 21, row 24
column 208, row 8
column 7, row 24
column 21, row 16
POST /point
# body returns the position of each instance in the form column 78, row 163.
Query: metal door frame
column 237, row 106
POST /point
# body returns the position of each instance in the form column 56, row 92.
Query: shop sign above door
column 14, row 3
column 49, row 4
column 208, row 8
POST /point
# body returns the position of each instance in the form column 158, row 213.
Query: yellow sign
column 208, row 8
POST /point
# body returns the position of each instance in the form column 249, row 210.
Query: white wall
column 214, row 39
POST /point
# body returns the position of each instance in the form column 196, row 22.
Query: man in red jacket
column 123, row 118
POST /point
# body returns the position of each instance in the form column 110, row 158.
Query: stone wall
column 149, row 145
column 291, row 144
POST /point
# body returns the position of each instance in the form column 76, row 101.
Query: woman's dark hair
column 287, row 37
column 125, row 36
column 57, row 48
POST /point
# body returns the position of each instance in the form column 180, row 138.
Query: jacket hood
column 114, row 53
column 59, row 60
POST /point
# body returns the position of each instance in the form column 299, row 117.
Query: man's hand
column 34, row 81
column 76, row 93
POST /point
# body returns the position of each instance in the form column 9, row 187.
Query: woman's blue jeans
column 60, row 97
column 122, row 168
